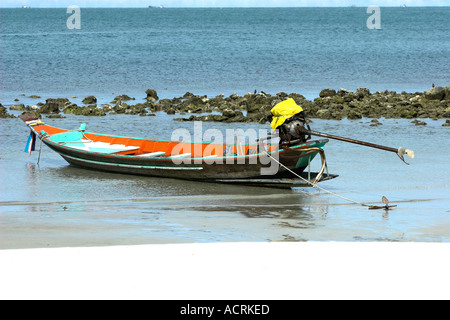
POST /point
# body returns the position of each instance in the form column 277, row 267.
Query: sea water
column 213, row 51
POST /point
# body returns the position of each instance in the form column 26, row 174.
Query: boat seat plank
column 185, row 155
column 151, row 155
column 101, row 147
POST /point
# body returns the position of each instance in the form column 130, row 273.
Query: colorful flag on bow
column 31, row 143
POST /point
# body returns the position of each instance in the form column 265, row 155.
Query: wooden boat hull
column 137, row 157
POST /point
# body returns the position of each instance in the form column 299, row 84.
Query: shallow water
column 213, row 51
column 53, row 204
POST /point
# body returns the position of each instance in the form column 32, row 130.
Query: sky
column 216, row 3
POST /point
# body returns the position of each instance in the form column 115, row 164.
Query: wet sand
column 268, row 217
column 134, row 237
column 239, row 271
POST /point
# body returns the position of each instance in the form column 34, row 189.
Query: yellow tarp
column 284, row 110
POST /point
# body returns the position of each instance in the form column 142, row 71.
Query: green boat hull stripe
column 131, row 166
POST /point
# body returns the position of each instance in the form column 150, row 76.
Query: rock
column 219, row 118
column 74, row 109
column 50, row 108
column 91, row 110
column 164, row 104
column 327, row 93
column 139, row 108
column 337, row 99
column 353, row 115
column 17, row 107
column 437, row 93
column 229, row 113
column 152, row 95
column 416, row 98
column 56, row 116
column 234, row 96
column 35, row 96
column 188, row 95
column 344, row 92
column 90, row 100
column 68, row 105
column 194, row 109
column 4, row 114
column 107, row 108
column 60, row 101
column 207, row 118
column 263, row 94
column 298, row 98
column 419, row 123
column 324, row 114
column 361, row 93
column 124, row 108
column 29, row 116
column 192, row 102
column 122, row 97
column 447, row 93
column 258, row 103
column 330, row 105
column 447, row 123
column 375, row 123
column 282, row 95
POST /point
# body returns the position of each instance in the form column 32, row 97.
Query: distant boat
column 26, row 7
column 159, row 7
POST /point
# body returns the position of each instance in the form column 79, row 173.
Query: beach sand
column 237, row 271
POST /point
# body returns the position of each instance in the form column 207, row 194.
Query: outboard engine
column 290, row 119
column 294, row 128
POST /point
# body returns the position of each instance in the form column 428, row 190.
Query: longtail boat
column 210, row 162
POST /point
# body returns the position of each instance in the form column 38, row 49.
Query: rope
column 40, row 148
column 315, row 185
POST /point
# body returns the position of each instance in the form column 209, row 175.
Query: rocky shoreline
column 255, row 107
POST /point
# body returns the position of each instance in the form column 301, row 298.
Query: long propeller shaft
column 399, row 151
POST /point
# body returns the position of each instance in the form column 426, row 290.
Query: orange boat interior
column 142, row 147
